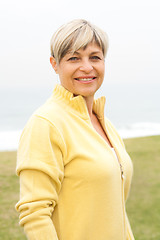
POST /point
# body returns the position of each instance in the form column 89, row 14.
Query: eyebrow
column 96, row 52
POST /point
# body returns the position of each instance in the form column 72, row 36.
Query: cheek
column 66, row 75
column 62, row 72
column 102, row 70
column 66, row 71
column 101, row 67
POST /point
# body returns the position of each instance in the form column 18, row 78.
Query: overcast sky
column 27, row 26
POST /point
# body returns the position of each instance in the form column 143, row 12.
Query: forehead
column 89, row 48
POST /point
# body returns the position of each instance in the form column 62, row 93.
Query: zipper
column 104, row 127
column 120, row 165
column 122, row 185
column 121, row 168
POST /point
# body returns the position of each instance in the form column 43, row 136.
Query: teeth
column 85, row 79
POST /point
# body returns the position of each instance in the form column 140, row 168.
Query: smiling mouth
column 85, row 79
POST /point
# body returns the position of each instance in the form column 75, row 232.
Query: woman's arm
column 36, row 205
column 41, row 171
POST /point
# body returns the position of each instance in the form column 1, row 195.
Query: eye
column 95, row 58
column 73, row 59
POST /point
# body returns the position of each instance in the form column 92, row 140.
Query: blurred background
column 132, row 79
column 131, row 87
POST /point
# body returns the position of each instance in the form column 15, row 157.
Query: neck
column 89, row 103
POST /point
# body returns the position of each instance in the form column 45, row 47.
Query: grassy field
column 143, row 205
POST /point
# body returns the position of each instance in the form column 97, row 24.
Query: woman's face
column 82, row 73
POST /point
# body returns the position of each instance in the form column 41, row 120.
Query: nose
column 86, row 66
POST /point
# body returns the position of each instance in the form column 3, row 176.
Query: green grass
column 143, row 205
column 9, row 188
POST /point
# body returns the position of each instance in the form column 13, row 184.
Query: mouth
column 85, row 79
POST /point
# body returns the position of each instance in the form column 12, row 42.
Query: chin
column 86, row 92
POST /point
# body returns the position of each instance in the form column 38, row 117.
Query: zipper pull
column 122, row 173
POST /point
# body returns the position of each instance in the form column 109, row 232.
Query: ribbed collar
column 77, row 104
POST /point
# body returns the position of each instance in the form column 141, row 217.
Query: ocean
column 134, row 109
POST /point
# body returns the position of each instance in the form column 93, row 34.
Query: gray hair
column 75, row 35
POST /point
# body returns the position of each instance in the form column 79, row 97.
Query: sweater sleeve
column 41, row 171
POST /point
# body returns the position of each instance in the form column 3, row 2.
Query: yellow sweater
column 71, row 186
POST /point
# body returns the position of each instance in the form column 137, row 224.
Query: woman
column 74, row 171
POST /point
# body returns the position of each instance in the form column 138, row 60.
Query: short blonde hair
column 75, row 35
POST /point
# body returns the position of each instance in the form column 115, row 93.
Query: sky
column 26, row 28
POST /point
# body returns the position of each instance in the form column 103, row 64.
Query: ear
column 54, row 64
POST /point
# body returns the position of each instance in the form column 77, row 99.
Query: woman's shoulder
column 48, row 115
column 51, row 110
